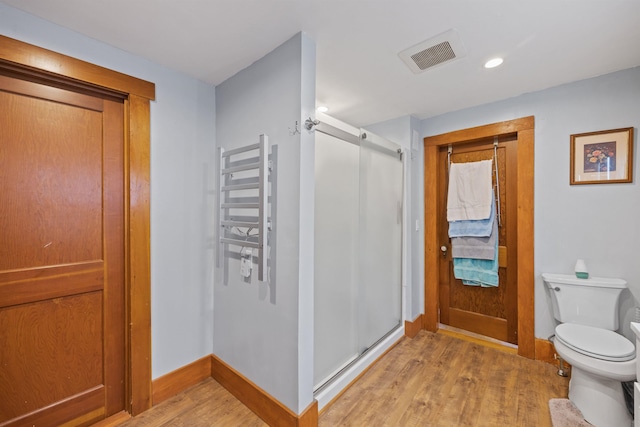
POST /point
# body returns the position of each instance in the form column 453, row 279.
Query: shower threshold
column 335, row 373
column 350, row 371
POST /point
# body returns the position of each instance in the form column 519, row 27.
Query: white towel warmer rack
column 243, row 202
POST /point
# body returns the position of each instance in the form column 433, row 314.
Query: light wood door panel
column 62, row 302
column 54, row 351
column 488, row 311
column 52, row 198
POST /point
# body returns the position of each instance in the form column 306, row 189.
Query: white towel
column 470, row 189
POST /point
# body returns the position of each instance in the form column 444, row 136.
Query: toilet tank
column 592, row 302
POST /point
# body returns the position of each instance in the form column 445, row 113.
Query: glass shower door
column 358, row 238
column 380, row 236
column 336, row 247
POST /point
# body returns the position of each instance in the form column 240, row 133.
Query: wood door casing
column 523, row 128
column 487, row 311
column 62, row 269
column 56, row 69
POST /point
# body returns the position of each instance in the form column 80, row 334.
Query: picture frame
column 603, row 157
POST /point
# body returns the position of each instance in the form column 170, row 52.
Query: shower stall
column 358, row 248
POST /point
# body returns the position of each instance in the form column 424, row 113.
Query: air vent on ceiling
column 437, row 50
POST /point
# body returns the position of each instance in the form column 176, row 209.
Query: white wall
column 266, row 331
column 182, row 143
column 596, row 222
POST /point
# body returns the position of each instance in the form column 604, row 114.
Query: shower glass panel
column 336, row 248
column 381, row 183
column 358, row 234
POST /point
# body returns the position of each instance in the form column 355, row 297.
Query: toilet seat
column 596, row 342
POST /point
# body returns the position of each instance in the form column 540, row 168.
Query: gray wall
column 596, row 222
column 265, row 331
column 182, row 144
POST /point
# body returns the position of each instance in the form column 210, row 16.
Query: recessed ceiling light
column 322, row 109
column 492, row 63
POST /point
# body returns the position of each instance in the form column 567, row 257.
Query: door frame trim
column 523, row 129
column 54, row 67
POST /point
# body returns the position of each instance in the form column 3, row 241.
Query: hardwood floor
column 430, row 380
column 438, row 380
column 204, row 404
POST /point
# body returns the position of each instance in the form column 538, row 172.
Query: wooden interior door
column 488, row 311
column 62, row 269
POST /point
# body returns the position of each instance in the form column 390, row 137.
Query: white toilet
column 600, row 358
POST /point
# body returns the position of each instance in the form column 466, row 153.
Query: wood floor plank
column 441, row 373
column 430, row 380
column 205, row 404
column 439, row 361
column 499, row 404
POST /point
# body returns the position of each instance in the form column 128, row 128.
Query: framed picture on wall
column 603, row 157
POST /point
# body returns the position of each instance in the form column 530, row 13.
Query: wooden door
column 488, row 311
column 62, row 292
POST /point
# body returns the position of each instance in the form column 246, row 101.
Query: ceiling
column 359, row 74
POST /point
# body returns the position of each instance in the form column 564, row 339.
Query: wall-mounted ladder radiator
column 243, row 202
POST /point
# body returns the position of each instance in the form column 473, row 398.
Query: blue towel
column 477, row 272
column 474, row 228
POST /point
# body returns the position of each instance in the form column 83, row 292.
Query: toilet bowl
column 600, row 358
column 595, row 386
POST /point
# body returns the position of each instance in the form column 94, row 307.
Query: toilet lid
column 596, row 342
